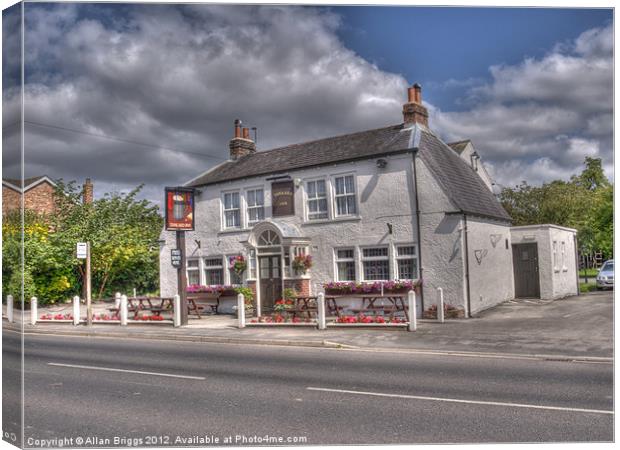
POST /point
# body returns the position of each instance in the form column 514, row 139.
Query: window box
column 389, row 287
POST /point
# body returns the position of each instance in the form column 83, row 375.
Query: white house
column 391, row 203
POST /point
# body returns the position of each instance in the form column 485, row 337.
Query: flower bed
column 152, row 318
column 361, row 318
column 63, row 317
column 450, row 312
column 389, row 287
column 281, row 319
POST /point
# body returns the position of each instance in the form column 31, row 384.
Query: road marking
column 110, row 369
column 456, row 400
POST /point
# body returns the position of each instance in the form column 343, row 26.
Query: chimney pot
column 237, row 128
column 246, row 133
column 413, row 110
column 87, row 192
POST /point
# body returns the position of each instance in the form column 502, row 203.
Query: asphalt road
column 321, row 396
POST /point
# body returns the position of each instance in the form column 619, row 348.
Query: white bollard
column 117, row 300
column 122, row 310
column 33, row 310
column 241, row 311
column 176, row 310
column 440, row 311
column 76, row 310
column 9, row 308
column 321, row 311
column 413, row 322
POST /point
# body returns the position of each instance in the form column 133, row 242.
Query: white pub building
column 394, row 203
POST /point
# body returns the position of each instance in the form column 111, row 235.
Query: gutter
column 417, row 219
column 577, row 262
column 466, row 256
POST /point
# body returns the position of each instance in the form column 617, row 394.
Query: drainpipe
column 417, row 218
column 466, row 256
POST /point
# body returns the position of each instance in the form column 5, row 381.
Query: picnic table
column 197, row 302
column 389, row 304
column 155, row 305
column 301, row 306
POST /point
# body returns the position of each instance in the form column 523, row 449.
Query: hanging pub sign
column 283, row 198
column 179, row 209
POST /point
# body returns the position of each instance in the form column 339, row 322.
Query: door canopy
column 270, row 233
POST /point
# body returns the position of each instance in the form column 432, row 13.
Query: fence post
column 240, row 311
column 9, row 308
column 176, row 310
column 321, row 310
column 117, row 300
column 33, row 310
column 76, row 310
column 440, row 306
column 413, row 322
column 122, row 310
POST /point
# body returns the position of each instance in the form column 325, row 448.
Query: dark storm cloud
column 177, row 76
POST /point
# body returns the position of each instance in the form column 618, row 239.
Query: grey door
column 525, row 263
column 270, row 281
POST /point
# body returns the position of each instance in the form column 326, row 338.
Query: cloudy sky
column 145, row 93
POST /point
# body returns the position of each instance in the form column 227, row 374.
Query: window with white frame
column 255, row 199
column 232, row 210
column 376, row 263
column 406, row 262
column 193, row 271
column 316, row 193
column 345, row 264
column 213, row 270
column 555, row 256
column 344, row 195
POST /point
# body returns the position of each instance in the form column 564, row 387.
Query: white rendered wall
column 491, row 275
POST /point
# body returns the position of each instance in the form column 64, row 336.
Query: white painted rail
column 34, row 310
column 76, row 310
column 240, row 311
column 413, row 319
column 122, row 310
column 321, row 311
column 9, row 308
column 177, row 310
column 440, row 311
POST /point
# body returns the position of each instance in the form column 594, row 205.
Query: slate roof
column 459, row 146
column 461, row 184
column 315, row 153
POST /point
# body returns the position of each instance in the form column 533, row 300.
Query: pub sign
column 283, row 198
column 179, row 209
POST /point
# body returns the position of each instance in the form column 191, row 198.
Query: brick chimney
column 241, row 145
column 413, row 111
column 87, row 192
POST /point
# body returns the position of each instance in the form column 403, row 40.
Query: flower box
column 222, row 290
column 387, row 287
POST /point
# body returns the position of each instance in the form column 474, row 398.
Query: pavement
column 119, row 392
column 574, row 327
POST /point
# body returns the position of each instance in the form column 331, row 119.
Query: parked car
column 605, row 277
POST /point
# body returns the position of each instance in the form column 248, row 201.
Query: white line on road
column 110, row 369
column 456, row 400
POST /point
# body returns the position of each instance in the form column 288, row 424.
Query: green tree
column 585, row 203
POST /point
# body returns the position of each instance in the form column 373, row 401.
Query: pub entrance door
column 270, row 281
